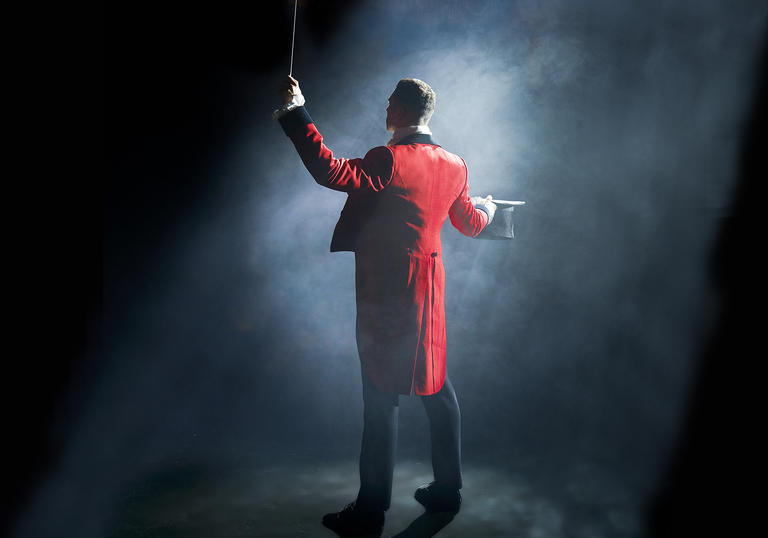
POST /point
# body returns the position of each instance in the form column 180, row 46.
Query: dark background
column 194, row 314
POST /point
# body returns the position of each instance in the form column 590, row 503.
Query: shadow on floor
column 282, row 501
column 426, row 525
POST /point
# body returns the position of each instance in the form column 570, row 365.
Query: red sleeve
column 371, row 173
column 464, row 216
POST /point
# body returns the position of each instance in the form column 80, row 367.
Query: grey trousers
column 377, row 452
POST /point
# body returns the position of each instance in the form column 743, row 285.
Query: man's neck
column 401, row 132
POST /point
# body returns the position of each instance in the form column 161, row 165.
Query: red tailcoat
column 398, row 199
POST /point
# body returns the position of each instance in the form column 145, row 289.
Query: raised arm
column 371, row 173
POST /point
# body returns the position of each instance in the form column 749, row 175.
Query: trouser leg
column 377, row 452
column 445, row 433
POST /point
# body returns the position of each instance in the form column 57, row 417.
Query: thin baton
column 293, row 36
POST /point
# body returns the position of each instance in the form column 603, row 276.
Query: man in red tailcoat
column 398, row 197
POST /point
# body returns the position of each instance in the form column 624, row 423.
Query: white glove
column 291, row 95
column 486, row 204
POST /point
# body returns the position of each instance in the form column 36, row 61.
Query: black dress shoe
column 437, row 498
column 353, row 521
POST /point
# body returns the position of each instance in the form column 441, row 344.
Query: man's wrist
column 487, row 211
column 297, row 101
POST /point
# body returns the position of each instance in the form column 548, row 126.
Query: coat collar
column 417, row 138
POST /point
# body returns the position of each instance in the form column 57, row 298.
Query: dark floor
column 255, row 499
column 289, row 502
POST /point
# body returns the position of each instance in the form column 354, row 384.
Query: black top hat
column 501, row 227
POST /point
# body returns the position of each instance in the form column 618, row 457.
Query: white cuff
column 297, row 101
column 490, row 211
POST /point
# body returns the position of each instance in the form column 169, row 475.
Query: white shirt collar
column 401, row 132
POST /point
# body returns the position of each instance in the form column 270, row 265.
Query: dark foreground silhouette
column 709, row 486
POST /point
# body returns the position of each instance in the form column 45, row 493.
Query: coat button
column 434, row 254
